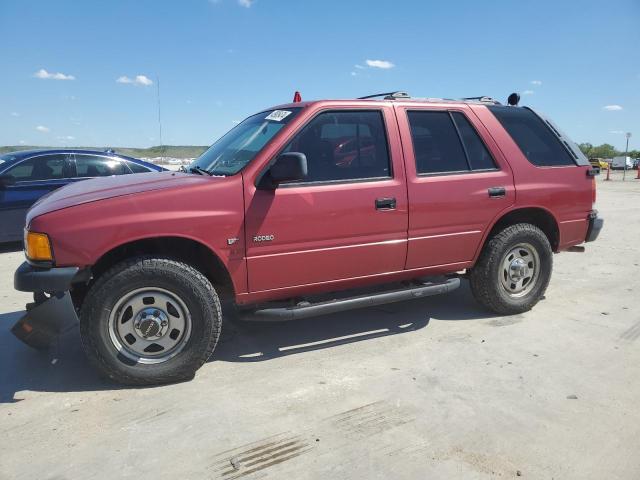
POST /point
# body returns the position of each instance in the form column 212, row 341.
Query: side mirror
column 6, row 180
column 288, row 167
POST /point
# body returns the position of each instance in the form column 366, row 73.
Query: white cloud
column 22, row 142
column 384, row 64
column 246, row 3
column 360, row 67
column 353, row 74
column 142, row 80
column 42, row 128
column 43, row 74
column 536, row 82
column 528, row 92
column 14, row 114
column 612, row 108
column 67, row 137
column 616, row 132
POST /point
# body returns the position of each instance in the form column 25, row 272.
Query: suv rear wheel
column 149, row 321
column 513, row 270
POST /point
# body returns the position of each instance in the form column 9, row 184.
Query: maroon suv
column 309, row 198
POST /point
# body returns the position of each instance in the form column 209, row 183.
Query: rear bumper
column 52, row 310
column 595, row 225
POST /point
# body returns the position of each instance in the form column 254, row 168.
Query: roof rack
column 483, row 99
column 387, row 95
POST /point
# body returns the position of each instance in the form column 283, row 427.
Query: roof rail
column 483, row 99
column 387, row 95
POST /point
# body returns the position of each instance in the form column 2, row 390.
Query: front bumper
column 595, row 225
column 52, row 310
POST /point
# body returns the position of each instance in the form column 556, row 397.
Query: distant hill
column 173, row 151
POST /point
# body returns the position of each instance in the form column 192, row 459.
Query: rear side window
column 445, row 142
column 537, row 142
column 344, row 145
column 95, row 166
column 436, row 144
column 479, row 156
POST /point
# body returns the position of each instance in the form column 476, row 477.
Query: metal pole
column 626, row 151
column 160, row 120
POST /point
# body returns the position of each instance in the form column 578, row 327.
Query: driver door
column 347, row 219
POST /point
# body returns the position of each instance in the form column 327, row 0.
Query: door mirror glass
column 288, row 167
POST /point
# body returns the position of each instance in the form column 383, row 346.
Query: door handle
column 385, row 203
column 497, row 191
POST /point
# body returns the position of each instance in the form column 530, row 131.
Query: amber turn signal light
column 37, row 247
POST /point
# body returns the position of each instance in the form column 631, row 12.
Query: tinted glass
column 45, row 167
column 242, row 143
column 95, row 166
column 537, row 142
column 344, row 146
column 135, row 168
column 436, row 144
column 479, row 156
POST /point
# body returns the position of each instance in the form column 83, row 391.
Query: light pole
column 626, row 151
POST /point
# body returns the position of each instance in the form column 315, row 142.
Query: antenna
column 160, row 120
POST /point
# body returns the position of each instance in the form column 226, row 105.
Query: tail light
column 593, row 190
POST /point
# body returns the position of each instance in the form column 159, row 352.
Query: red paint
column 329, row 236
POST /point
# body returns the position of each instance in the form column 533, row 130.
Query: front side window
column 535, row 139
column 241, row 144
column 344, row 145
column 44, row 167
column 96, row 166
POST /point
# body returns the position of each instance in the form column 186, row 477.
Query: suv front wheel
column 513, row 270
column 149, row 321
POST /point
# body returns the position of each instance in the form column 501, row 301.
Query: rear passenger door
column 347, row 219
column 457, row 183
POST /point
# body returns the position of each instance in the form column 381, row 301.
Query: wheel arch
column 184, row 249
column 538, row 216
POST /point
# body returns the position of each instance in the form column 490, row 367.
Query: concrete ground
column 433, row 388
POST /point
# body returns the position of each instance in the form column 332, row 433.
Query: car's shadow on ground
column 64, row 367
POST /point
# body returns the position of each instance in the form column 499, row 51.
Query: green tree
column 586, row 149
column 603, row 151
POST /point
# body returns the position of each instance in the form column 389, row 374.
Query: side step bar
column 306, row 309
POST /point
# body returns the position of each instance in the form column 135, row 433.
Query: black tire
column 181, row 280
column 485, row 276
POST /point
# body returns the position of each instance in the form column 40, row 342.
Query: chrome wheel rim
column 520, row 270
column 149, row 325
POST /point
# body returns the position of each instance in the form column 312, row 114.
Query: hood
column 102, row 188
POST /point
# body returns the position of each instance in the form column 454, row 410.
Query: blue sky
column 219, row 61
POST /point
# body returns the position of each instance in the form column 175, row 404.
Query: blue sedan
column 26, row 176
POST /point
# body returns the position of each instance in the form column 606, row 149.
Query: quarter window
column 136, row 168
column 44, row 167
column 347, row 145
column 536, row 141
column 479, row 156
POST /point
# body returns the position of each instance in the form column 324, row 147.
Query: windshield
column 241, row 144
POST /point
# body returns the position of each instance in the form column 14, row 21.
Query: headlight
column 37, row 247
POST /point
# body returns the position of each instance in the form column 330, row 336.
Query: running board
column 306, row 309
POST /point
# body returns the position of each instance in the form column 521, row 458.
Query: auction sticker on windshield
column 278, row 115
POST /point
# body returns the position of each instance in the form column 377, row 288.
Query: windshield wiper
column 200, row 171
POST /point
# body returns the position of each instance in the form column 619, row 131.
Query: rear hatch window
column 541, row 141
